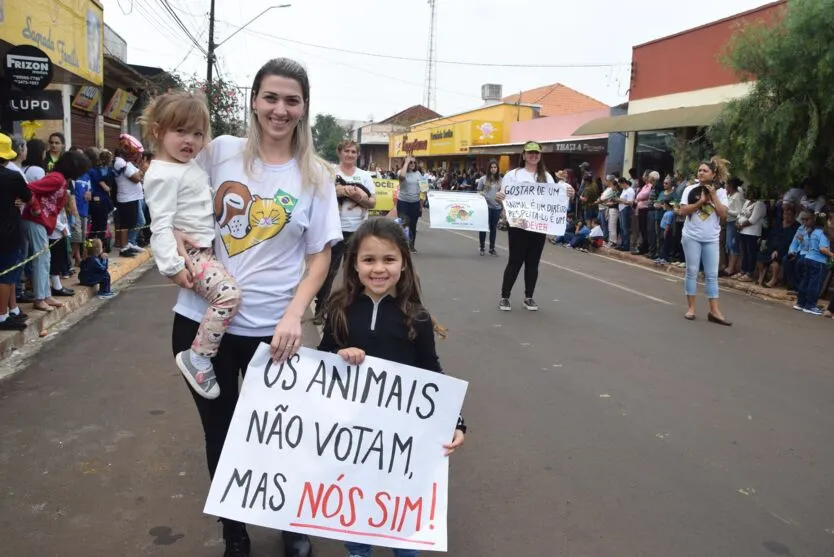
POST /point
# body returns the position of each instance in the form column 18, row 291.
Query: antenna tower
column 430, row 95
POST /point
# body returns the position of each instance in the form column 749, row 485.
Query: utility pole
column 211, row 46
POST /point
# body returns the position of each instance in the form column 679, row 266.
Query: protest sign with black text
column 536, row 206
column 347, row 452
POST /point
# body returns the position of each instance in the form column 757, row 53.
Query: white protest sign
column 354, row 453
column 458, row 210
column 537, row 207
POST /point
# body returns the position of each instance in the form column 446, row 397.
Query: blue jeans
column 364, row 550
column 625, row 228
column 602, row 217
column 35, row 239
column 133, row 233
column 732, row 241
column 410, row 211
column 666, row 243
column 813, row 273
column 698, row 253
column 494, row 215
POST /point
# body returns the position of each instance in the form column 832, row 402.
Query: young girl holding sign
column 525, row 246
column 378, row 311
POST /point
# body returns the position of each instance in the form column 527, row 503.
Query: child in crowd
column 178, row 195
column 580, row 236
column 667, row 223
column 794, row 261
column 94, row 269
column 568, row 236
column 814, row 267
column 378, row 311
column 597, row 236
column 59, row 265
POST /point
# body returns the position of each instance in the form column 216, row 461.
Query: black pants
column 216, row 415
column 643, row 225
column 749, row 253
column 494, row 215
column 337, row 252
column 127, row 214
column 99, row 210
column 410, row 211
column 525, row 249
column 59, row 260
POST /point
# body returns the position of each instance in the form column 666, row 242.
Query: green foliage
column 327, row 134
column 783, row 131
column 225, row 104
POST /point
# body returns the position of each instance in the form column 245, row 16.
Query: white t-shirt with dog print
column 266, row 226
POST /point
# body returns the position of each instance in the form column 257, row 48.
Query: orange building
column 678, row 85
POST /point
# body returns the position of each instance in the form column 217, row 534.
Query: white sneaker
column 136, row 248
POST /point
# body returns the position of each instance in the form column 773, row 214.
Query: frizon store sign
column 28, row 68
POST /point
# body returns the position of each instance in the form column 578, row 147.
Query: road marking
column 580, row 273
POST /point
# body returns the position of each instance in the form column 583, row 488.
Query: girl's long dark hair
column 409, row 298
column 491, row 178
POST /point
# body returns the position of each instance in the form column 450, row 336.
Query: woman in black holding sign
column 525, row 246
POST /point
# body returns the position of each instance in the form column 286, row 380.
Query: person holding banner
column 408, row 198
column 275, row 206
column 355, row 193
column 526, row 246
column 378, row 311
column 489, row 185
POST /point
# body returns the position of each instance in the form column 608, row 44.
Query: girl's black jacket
column 379, row 329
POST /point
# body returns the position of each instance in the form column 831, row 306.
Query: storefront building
column 373, row 138
column 679, row 87
column 561, row 149
column 70, row 33
column 447, row 142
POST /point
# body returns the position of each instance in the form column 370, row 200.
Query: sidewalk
column 777, row 294
column 39, row 322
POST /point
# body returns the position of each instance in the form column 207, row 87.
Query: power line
column 159, row 23
column 167, row 7
column 423, row 61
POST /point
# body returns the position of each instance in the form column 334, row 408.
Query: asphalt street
column 603, row 425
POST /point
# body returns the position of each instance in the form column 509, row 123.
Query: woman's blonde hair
column 720, row 167
column 315, row 171
column 171, row 111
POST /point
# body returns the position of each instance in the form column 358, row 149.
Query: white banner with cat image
column 453, row 210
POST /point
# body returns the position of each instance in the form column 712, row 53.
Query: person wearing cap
column 13, row 192
column 525, row 246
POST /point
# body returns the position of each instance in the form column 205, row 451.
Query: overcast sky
column 362, row 87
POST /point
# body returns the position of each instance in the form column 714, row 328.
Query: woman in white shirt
column 275, row 208
column 608, row 211
column 734, row 206
column 750, row 223
column 704, row 206
column 525, row 246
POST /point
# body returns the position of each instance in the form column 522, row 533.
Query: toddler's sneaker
column 106, row 295
column 200, row 377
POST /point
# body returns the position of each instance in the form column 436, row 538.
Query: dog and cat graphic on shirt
column 246, row 220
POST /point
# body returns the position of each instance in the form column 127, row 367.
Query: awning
column 685, row 117
column 583, row 146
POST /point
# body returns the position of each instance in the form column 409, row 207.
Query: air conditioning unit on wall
column 491, row 93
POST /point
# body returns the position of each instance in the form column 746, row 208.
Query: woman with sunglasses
column 525, row 246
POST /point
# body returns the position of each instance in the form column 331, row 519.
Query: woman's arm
column 720, row 207
column 287, row 338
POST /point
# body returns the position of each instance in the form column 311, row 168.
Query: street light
column 212, row 46
column 242, row 27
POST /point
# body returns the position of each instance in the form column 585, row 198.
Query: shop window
column 655, row 151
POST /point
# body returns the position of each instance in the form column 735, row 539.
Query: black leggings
column 216, row 415
column 643, row 225
column 525, row 249
column 494, row 215
column 409, row 210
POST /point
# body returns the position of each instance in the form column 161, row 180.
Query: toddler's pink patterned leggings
column 213, row 283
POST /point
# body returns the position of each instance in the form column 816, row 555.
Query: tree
column 327, row 134
column 783, row 131
column 225, row 104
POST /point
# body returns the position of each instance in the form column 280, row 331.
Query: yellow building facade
column 445, row 142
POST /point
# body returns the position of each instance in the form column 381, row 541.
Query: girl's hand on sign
column 500, row 196
column 287, row 338
column 354, row 356
column 457, row 442
column 571, row 192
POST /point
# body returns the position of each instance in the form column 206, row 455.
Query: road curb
column 750, row 288
column 39, row 321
